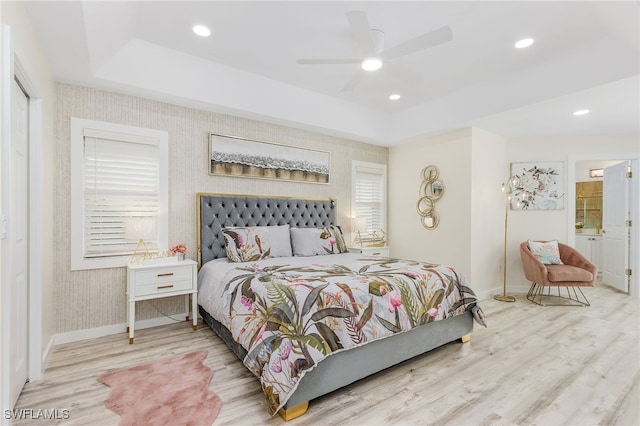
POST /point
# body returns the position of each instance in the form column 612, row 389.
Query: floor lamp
column 507, row 189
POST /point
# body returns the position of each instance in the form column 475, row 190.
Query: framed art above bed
column 234, row 156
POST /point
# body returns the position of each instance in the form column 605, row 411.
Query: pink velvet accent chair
column 569, row 278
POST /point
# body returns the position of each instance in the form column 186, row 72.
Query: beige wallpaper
column 95, row 298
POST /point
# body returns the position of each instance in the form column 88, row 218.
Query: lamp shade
column 141, row 228
column 359, row 224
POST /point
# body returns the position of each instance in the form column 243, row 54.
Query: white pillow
column 547, row 252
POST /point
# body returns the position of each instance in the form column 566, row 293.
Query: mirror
column 436, row 189
column 588, row 206
column 431, row 190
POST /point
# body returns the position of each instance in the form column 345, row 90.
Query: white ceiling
column 586, row 55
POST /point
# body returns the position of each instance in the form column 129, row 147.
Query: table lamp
column 141, row 228
column 359, row 225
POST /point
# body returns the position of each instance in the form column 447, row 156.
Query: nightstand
column 371, row 251
column 161, row 279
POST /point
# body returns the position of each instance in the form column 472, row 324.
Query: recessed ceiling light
column 202, row 31
column 394, row 97
column 371, row 64
column 525, row 42
column 581, row 112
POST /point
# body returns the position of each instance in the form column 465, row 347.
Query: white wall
column 488, row 203
column 469, row 235
column 449, row 242
column 41, row 87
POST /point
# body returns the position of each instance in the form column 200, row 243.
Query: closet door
column 19, row 240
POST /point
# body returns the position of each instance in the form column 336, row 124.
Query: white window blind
column 121, row 181
column 117, row 173
column 369, row 195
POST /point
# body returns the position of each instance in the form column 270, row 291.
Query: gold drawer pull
column 376, row 254
column 168, row 274
column 165, row 286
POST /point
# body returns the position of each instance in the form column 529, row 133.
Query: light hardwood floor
column 533, row 366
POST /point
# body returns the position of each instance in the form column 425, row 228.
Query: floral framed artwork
column 233, row 156
column 538, row 186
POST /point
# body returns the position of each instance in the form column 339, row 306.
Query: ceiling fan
column 371, row 42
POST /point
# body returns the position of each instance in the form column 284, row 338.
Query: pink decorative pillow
column 546, row 252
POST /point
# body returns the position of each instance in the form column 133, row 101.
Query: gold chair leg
column 536, row 294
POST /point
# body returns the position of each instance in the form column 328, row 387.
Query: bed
column 309, row 319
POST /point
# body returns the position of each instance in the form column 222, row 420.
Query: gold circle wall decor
column 431, row 190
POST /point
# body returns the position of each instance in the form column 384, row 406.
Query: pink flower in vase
column 178, row 250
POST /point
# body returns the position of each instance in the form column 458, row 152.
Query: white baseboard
column 46, row 356
column 108, row 330
column 511, row 290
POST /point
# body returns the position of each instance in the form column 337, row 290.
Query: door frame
column 634, row 204
column 13, row 68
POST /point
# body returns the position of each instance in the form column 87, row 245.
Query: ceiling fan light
column 202, row 31
column 371, row 64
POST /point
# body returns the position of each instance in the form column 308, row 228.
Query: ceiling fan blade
column 328, row 61
column 361, row 31
column 353, row 82
column 425, row 41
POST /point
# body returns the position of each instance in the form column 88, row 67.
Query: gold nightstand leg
column 195, row 327
column 187, row 318
column 131, row 340
column 127, row 329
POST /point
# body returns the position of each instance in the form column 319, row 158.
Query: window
column 118, row 173
column 368, row 196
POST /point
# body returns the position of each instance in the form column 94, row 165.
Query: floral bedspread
column 290, row 315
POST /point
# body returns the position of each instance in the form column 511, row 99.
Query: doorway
column 585, row 199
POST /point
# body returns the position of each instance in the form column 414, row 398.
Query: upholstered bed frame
column 216, row 211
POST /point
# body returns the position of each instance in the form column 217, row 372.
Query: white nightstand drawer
column 167, row 286
column 162, row 278
column 371, row 251
column 162, row 275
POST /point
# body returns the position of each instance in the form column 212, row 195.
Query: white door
column 19, row 239
column 615, row 233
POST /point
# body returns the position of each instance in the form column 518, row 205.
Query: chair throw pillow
column 546, row 252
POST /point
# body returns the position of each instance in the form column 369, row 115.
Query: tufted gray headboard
column 216, row 211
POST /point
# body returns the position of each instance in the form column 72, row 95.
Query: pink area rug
column 172, row 391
